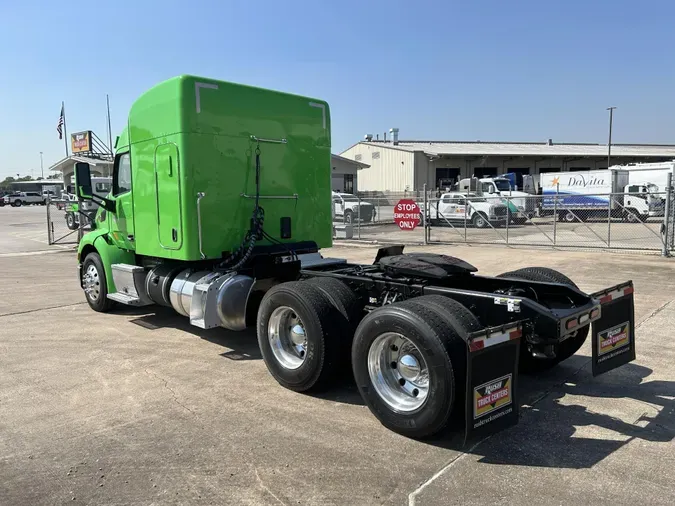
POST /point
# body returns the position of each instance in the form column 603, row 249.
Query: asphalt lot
column 138, row 407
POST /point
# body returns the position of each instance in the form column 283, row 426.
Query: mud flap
column 614, row 332
column 491, row 380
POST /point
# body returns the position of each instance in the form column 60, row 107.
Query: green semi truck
column 220, row 205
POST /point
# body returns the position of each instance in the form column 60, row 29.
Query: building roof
column 43, row 182
column 479, row 148
column 360, row 165
column 67, row 162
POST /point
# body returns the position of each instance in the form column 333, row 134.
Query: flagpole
column 109, row 127
column 65, row 131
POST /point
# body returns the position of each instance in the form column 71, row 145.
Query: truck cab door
column 122, row 220
column 447, row 207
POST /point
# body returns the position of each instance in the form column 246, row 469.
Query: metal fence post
column 49, row 220
column 466, row 207
column 508, row 218
column 667, row 222
column 609, row 219
column 555, row 216
column 424, row 216
column 358, row 216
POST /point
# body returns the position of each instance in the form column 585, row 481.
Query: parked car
column 480, row 211
column 349, row 208
column 18, row 199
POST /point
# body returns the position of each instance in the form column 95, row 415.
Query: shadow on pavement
column 241, row 346
column 554, row 433
column 547, row 433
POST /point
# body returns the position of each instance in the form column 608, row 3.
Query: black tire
column 350, row 306
column 464, row 322
column 569, row 346
column 17, row 203
column 323, row 325
column 632, row 216
column 343, row 298
column 479, row 220
column 98, row 301
column 70, row 221
column 349, row 217
column 568, row 217
column 436, row 341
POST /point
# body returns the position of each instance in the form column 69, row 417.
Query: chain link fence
column 65, row 221
column 641, row 222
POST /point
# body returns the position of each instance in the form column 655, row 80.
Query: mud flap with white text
column 614, row 332
column 491, row 380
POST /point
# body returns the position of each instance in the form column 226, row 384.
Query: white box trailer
column 649, row 174
column 593, row 193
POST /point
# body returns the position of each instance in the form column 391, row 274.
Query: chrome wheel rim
column 287, row 337
column 92, row 282
column 398, row 372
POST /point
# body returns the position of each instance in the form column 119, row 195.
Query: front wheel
column 70, row 221
column 479, row 220
column 94, row 284
column 17, row 203
column 632, row 216
column 349, row 217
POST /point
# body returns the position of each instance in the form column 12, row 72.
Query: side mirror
column 84, row 189
column 83, row 180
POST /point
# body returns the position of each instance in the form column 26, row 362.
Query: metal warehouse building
column 398, row 166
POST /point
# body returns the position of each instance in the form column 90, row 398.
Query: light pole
column 609, row 143
column 42, row 170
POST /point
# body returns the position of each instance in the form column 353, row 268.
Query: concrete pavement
column 138, row 407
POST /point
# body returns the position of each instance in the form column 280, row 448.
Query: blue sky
column 446, row 70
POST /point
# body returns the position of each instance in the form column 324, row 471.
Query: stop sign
column 407, row 214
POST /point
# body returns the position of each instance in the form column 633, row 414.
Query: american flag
column 62, row 119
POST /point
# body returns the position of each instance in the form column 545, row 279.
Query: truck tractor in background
column 84, row 212
column 220, row 204
column 522, row 206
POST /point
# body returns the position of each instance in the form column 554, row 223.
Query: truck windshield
column 502, row 185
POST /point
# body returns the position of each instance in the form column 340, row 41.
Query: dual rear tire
column 408, row 358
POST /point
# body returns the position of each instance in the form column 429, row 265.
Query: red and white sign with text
column 407, row 214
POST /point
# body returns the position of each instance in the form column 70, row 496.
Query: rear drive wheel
column 568, row 216
column 569, row 346
column 350, row 306
column 299, row 331
column 479, row 220
column 404, row 357
column 94, row 283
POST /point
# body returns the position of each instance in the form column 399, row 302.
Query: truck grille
column 366, row 211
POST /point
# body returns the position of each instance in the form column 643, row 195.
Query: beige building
column 398, row 166
column 345, row 173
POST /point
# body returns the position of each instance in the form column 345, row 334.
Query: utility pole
column 609, row 143
column 42, row 169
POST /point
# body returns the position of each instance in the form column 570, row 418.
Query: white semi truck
column 575, row 196
column 521, row 205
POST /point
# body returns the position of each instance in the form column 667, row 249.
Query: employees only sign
column 407, row 214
